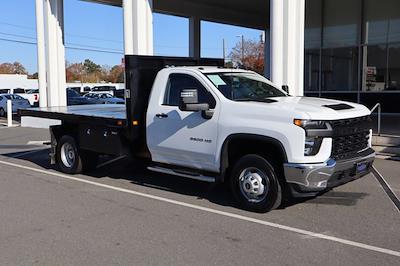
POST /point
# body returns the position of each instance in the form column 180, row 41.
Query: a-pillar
column 55, row 52
column 287, row 44
column 138, row 27
column 194, row 37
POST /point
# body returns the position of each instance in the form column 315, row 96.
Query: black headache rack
column 141, row 72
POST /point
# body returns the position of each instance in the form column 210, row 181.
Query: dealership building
column 344, row 49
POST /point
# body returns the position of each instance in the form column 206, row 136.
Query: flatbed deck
column 93, row 113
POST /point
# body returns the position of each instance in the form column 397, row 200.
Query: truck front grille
column 348, row 146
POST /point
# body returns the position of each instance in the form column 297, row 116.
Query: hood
column 317, row 108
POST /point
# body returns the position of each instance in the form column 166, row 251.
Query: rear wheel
column 2, row 112
column 68, row 157
column 71, row 160
column 255, row 185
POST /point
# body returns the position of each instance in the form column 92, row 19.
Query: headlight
column 312, row 145
column 310, row 124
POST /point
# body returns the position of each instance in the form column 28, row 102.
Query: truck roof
column 211, row 69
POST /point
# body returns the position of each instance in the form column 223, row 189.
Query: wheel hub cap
column 253, row 184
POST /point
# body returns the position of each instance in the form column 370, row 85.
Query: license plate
column 361, row 167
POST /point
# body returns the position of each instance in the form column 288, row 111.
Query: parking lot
column 123, row 214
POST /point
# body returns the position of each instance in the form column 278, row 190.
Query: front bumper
column 310, row 179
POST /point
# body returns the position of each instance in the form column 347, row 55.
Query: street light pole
column 242, row 44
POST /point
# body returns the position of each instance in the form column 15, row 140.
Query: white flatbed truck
column 193, row 118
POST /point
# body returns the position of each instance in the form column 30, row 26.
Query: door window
column 178, row 82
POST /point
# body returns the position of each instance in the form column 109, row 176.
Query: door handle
column 162, row 115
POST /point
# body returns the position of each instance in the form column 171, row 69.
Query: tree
column 116, row 74
column 253, row 55
column 34, row 76
column 90, row 67
column 13, row 68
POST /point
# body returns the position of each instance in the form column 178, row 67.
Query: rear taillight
column 36, row 97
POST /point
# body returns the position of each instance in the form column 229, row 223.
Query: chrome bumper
column 309, row 179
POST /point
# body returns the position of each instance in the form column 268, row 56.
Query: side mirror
column 285, row 88
column 189, row 101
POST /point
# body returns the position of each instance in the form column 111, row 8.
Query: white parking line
column 222, row 213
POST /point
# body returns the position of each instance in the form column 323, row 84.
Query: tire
column 254, row 184
column 2, row 112
column 68, row 157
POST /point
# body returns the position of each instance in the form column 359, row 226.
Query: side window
column 178, row 82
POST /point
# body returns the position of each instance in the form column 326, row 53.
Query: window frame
column 199, row 80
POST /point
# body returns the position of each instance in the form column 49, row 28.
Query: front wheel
column 255, row 185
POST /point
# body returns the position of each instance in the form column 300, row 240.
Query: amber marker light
column 120, row 123
column 135, row 122
column 298, row 122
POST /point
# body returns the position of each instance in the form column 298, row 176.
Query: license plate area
column 361, row 167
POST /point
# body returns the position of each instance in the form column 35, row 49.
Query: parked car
column 17, row 103
column 120, row 93
column 104, row 89
column 104, row 98
column 74, row 98
column 31, row 95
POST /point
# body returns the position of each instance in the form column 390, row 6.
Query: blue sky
column 99, row 27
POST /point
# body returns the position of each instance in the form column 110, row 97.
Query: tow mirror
column 285, row 88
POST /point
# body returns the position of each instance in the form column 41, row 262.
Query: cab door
column 180, row 137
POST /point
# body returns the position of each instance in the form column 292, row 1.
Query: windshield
column 244, row 86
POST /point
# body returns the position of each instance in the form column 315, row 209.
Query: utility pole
column 242, row 48
column 223, row 49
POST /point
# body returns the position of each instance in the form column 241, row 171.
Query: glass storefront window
column 381, row 70
column 339, row 69
column 312, row 45
column 340, row 45
column 394, row 67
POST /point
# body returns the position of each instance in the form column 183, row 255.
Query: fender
column 224, row 159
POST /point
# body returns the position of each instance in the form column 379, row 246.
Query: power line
column 93, row 50
column 67, row 47
column 17, row 35
column 17, row 41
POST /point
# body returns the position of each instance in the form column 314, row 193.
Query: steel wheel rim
column 253, row 184
column 68, row 155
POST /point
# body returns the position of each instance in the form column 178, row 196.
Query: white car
column 17, row 103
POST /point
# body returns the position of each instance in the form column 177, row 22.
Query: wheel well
column 236, row 147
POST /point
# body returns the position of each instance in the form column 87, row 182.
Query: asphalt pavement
column 122, row 214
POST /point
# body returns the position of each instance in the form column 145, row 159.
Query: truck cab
column 312, row 144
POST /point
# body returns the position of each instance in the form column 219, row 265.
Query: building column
column 41, row 50
column 194, row 37
column 287, row 44
column 55, row 53
column 138, row 27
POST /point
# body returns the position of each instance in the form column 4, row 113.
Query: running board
column 187, row 175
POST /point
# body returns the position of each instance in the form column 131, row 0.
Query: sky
column 98, row 27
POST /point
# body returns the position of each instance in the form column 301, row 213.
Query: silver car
column 17, row 103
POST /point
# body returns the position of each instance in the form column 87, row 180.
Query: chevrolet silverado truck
column 195, row 119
